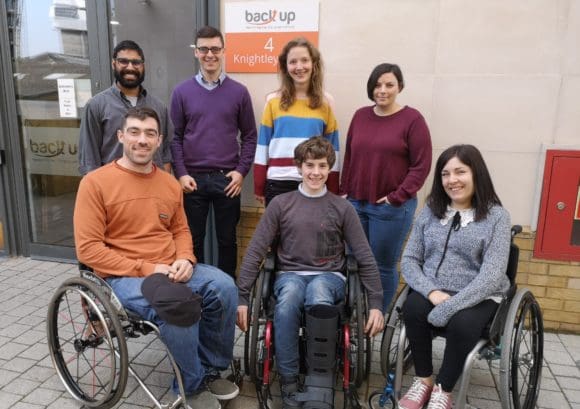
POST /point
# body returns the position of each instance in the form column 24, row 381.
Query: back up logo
column 270, row 16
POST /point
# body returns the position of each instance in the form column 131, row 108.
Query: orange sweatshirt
column 127, row 222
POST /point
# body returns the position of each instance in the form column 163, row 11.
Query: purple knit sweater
column 206, row 128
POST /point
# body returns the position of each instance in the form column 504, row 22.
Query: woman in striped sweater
column 298, row 110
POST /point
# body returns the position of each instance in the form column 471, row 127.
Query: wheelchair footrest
column 316, row 397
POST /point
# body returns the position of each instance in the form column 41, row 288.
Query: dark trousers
column 277, row 187
column 210, row 191
column 462, row 332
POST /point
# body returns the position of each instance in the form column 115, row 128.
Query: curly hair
column 316, row 147
column 287, row 89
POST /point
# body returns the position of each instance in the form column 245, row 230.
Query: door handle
column 560, row 206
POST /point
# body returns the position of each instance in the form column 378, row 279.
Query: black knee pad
column 321, row 340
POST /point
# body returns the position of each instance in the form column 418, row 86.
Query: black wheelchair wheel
column 390, row 341
column 248, row 334
column 255, row 332
column 86, row 343
column 360, row 354
column 522, row 352
column 375, row 401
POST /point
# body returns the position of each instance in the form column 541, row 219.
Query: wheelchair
column 515, row 337
column 87, row 330
column 354, row 349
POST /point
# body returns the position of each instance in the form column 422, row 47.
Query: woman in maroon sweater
column 387, row 159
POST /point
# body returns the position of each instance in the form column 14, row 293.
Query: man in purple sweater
column 209, row 111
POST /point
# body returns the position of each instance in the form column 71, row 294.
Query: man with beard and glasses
column 104, row 113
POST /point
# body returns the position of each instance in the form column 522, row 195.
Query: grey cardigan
column 473, row 268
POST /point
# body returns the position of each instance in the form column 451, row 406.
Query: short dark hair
column 128, row 45
column 380, row 70
column 484, row 195
column 209, row 32
column 142, row 113
column 316, row 147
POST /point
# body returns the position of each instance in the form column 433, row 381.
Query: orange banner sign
column 256, row 32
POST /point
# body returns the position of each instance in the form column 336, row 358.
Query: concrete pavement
column 28, row 380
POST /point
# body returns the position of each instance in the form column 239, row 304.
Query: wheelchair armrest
column 269, row 268
column 351, row 278
column 496, row 325
column 351, row 264
column 84, row 267
column 270, row 261
column 88, row 273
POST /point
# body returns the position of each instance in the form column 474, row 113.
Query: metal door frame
column 16, row 226
column 14, row 210
column 12, row 176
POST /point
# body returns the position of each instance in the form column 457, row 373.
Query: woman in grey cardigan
column 454, row 263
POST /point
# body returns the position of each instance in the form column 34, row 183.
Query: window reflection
column 52, row 83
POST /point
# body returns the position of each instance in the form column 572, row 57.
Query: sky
column 38, row 35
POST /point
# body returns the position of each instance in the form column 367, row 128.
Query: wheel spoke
column 80, row 323
column 522, row 352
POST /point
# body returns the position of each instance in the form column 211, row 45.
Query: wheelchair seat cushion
column 175, row 303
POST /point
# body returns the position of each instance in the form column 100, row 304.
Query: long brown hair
column 287, row 89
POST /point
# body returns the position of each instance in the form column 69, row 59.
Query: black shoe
column 289, row 389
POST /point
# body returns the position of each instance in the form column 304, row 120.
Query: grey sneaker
column 289, row 388
column 203, row 400
column 222, row 388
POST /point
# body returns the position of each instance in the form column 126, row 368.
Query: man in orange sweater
column 129, row 223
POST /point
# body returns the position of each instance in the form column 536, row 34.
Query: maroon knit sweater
column 386, row 156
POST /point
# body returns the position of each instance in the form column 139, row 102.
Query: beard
column 120, row 78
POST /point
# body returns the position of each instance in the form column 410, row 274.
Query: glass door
column 3, row 226
column 50, row 64
column 164, row 33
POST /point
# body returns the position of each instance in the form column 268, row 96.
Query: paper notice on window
column 66, row 98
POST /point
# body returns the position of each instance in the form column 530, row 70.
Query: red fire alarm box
column 558, row 235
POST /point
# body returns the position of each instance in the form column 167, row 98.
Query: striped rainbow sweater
column 281, row 131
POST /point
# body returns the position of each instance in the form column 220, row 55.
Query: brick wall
column 556, row 284
column 248, row 222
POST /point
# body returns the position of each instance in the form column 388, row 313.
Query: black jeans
column 210, row 191
column 462, row 332
column 277, row 187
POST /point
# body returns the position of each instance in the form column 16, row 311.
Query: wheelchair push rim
column 360, row 344
column 256, row 342
column 87, row 344
column 390, row 340
column 522, row 353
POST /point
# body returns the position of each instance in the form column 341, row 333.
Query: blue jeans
column 294, row 293
column 210, row 191
column 207, row 345
column 386, row 228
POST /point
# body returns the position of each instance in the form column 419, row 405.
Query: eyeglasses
column 125, row 62
column 205, row 50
